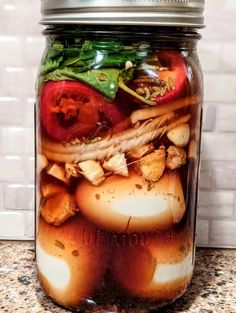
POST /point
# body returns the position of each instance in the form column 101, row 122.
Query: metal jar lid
column 182, row 13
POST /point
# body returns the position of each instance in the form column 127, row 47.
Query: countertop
column 213, row 289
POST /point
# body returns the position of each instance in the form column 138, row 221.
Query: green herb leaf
column 51, row 65
column 105, row 81
column 87, row 51
column 55, row 50
column 72, row 61
column 117, row 60
column 108, row 45
column 83, row 59
column 126, row 75
column 71, row 52
column 100, row 53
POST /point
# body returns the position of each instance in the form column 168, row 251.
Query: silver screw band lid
column 182, row 13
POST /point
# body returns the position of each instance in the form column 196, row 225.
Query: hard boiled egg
column 129, row 204
column 70, row 262
column 161, row 270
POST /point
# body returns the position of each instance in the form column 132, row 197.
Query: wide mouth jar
column 118, row 132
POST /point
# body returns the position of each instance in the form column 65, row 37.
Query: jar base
column 118, row 302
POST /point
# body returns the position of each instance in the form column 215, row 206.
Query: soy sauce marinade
column 117, row 161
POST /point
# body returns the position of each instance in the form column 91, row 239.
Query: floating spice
column 59, row 244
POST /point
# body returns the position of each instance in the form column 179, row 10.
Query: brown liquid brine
column 118, row 135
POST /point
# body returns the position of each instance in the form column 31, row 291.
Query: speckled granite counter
column 213, row 289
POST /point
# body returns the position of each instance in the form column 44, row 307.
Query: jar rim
column 178, row 13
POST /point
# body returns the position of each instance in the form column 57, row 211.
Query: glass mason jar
column 118, row 123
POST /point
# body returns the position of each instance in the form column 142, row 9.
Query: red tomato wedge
column 177, row 73
column 71, row 109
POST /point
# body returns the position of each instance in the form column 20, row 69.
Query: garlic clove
column 92, row 171
column 58, row 172
column 72, row 170
column 117, row 164
column 180, row 135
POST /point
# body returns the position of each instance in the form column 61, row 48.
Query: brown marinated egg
column 160, row 270
column 71, row 263
column 130, row 204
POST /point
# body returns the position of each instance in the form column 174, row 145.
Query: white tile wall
column 206, row 175
column 216, row 204
column 223, row 229
column 18, row 197
column 21, row 47
column 202, row 231
column 226, row 117
column 225, row 175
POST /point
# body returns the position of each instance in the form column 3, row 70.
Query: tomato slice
column 176, row 73
column 71, row 109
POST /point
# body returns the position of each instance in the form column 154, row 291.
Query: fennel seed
column 163, row 91
column 140, row 91
column 171, row 83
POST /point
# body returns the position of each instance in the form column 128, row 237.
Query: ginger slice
column 117, row 164
column 139, row 152
column 58, row 171
column 152, row 166
column 72, row 169
column 50, row 189
column 92, row 171
column 59, row 208
column 176, row 157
